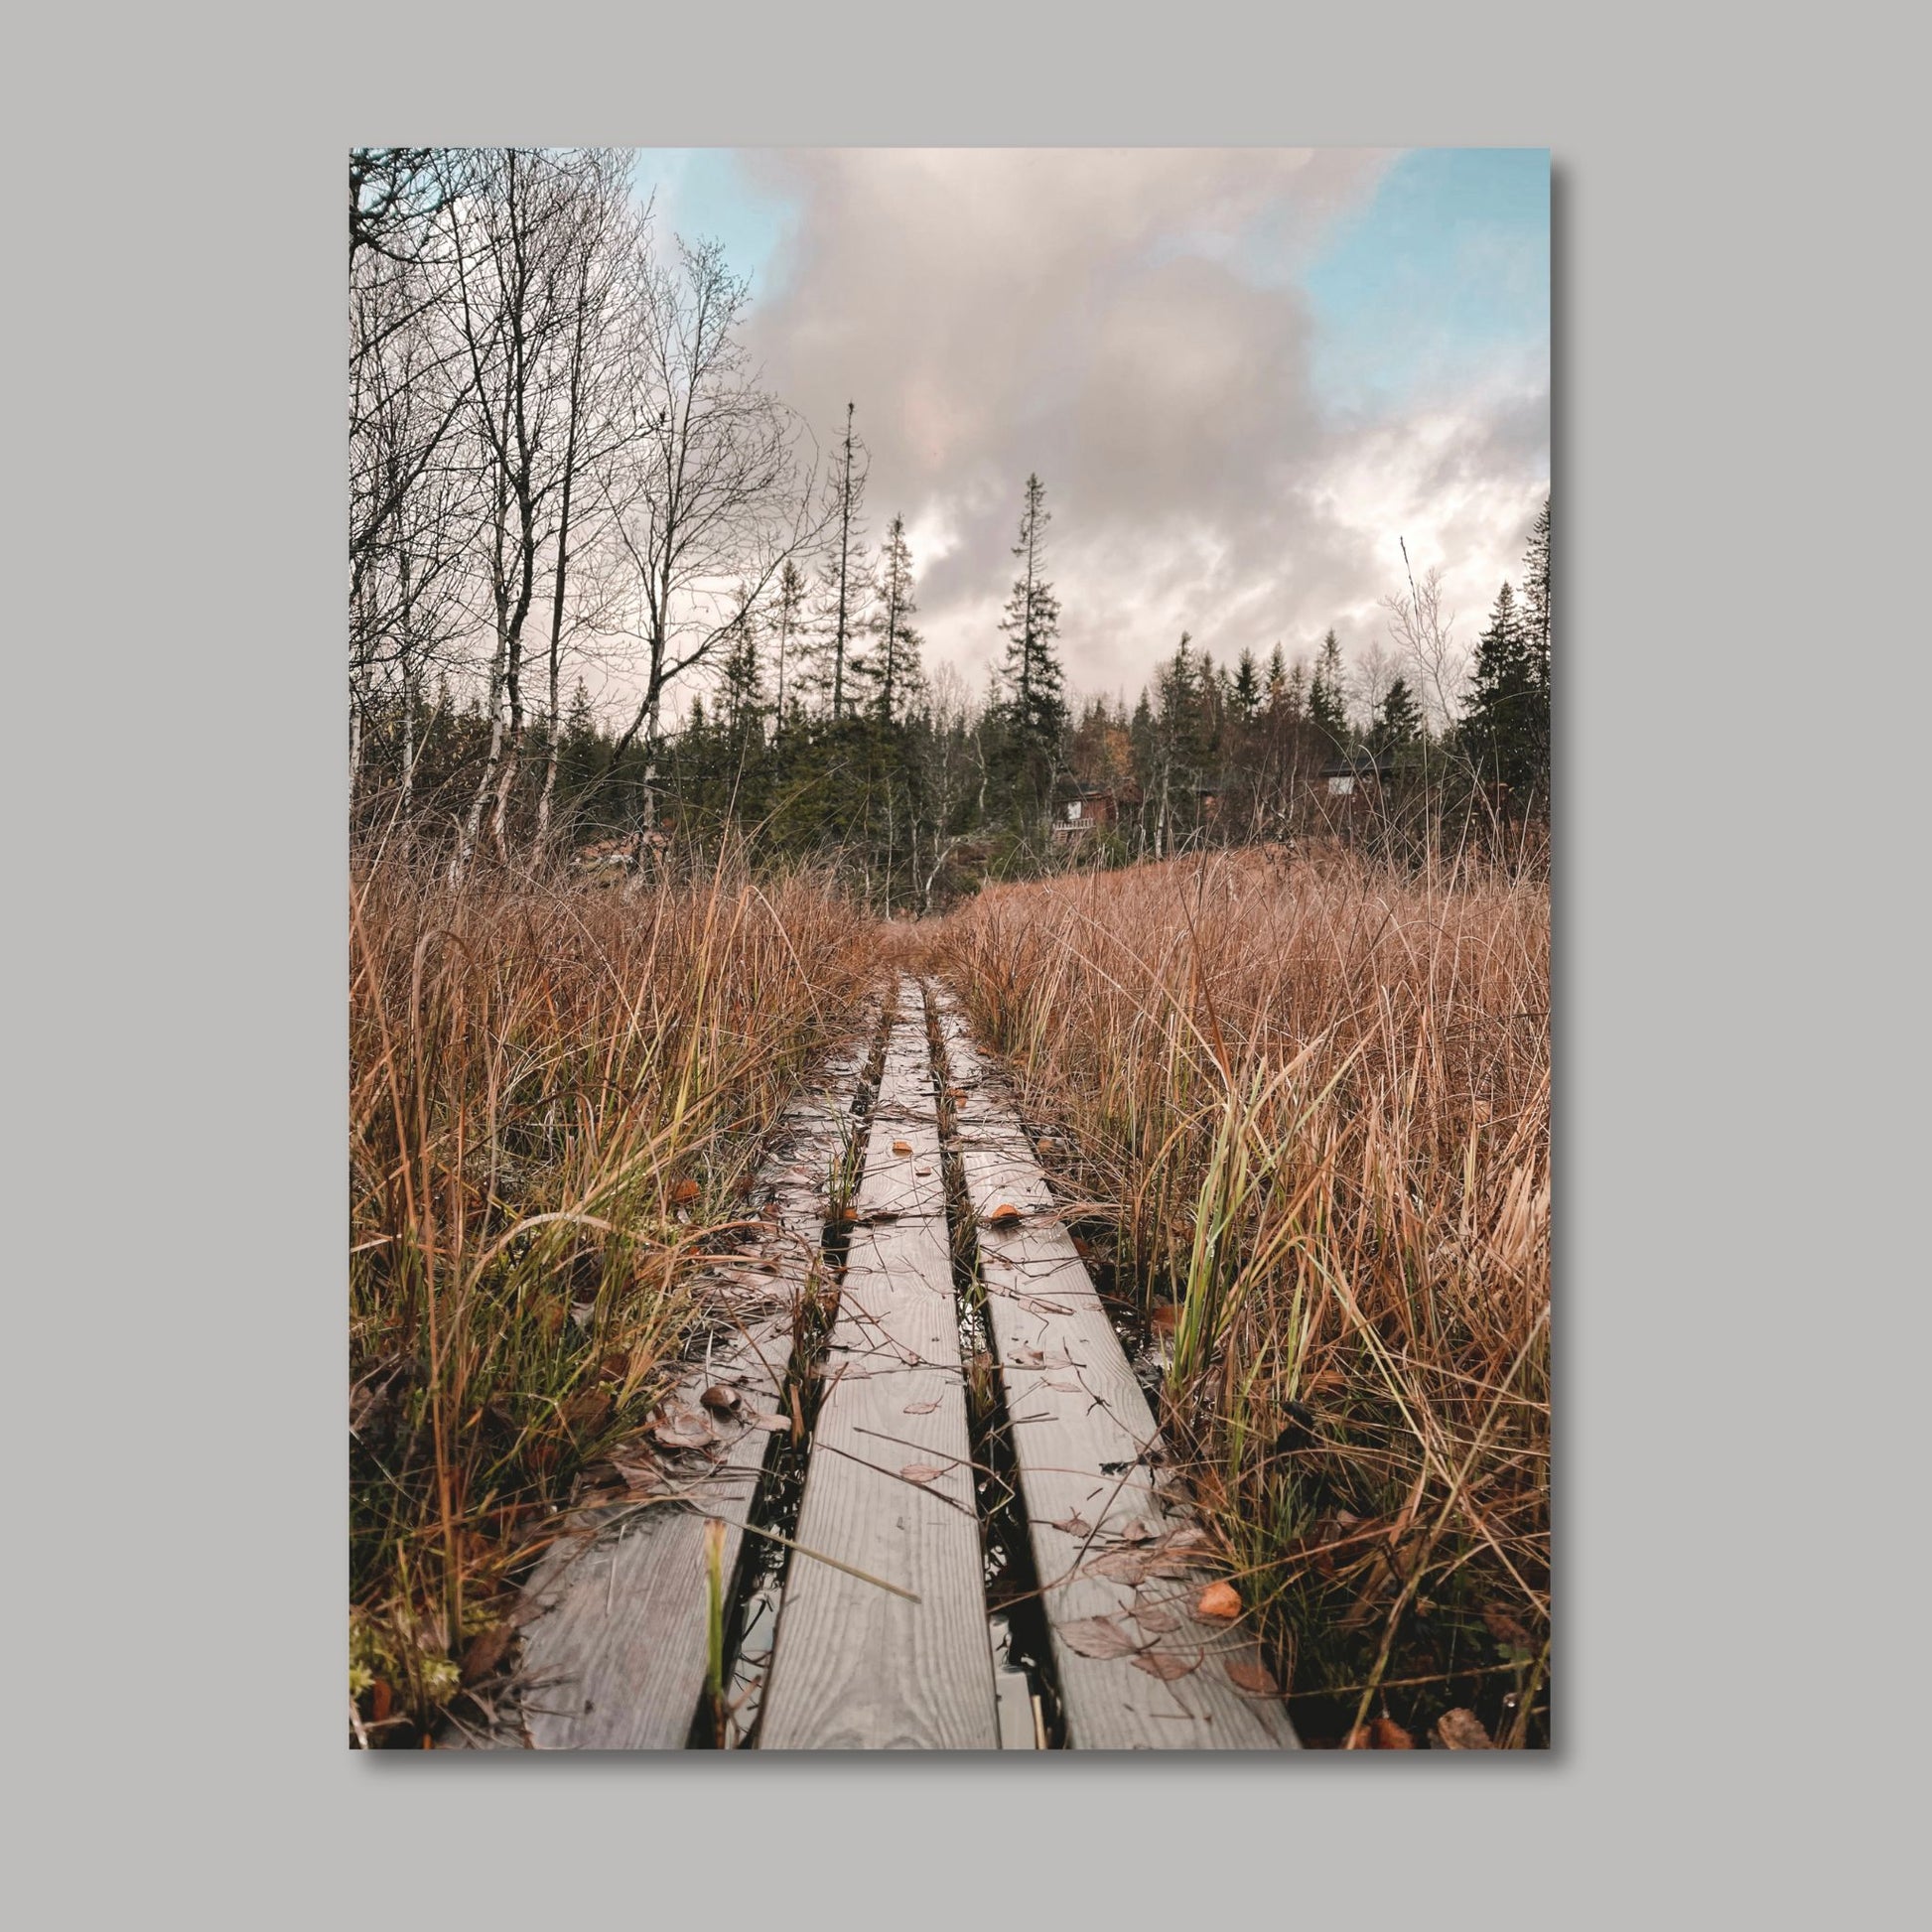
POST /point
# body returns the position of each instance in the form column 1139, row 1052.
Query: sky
column 1243, row 374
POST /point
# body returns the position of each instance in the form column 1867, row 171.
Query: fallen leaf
column 1255, row 1678
column 1219, row 1599
column 1158, row 1620
column 1098, row 1636
column 1461, row 1730
column 1025, row 1358
column 848, row 1213
column 685, row 1190
column 485, row 1651
column 922, row 1473
column 919, row 1408
column 1119, row 1567
column 1504, row 1627
column 1384, row 1735
column 922, row 1169
column 901, row 1146
column 767, row 1422
column 1064, row 1383
column 1002, row 1216
column 1164, row 1665
column 684, row 1429
column 1140, row 1530
column 721, row 1401
column 1075, row 1525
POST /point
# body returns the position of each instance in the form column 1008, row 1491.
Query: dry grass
column 556, row 1098
column 1319, row 1100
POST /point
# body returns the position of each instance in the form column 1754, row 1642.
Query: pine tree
column 1328, row 694
column 1031, row 621
column 896, row 663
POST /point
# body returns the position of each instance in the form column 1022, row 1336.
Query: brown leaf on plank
column 1098, row 1636
column 1119, row 1567
column 1002, row 1216
column 1253, row 1677
column 1158, row 1620
column 922, row 1169
column 1461, row 1730
column 1075, row 1525
column 901, row 1146
column 1219, row 1600
column 683, row 1428
column 922, row 1473
column 919, row 1408
column 1166, row 1665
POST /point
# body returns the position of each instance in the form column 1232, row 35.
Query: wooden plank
column 614, row 1656
column 1089, row 1459
column 855, row 1666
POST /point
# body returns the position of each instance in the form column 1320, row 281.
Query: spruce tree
column 1499, row 720
column 1398, row 721
column 844, row 585
column 1328, row 694
column 1031, row 621
column 1247, row 687
column 895, row 668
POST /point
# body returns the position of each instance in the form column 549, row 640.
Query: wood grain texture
column 615, row 1651
column 854, row 1666
column 1089, row 1460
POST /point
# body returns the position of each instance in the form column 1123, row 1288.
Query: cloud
column 1132, row 325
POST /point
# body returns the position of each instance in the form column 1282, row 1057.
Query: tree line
column 564, row 467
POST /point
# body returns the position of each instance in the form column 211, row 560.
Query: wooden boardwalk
column 883, row 1636
column 890, row 1489
column 1110, row 1532
column 615, row 1644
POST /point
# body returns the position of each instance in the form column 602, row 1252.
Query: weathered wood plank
column 615, row 1653
column 1088, row 1455
column 855, row 1666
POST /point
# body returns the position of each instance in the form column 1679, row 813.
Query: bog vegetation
column 1309, row 1109
column 1267, row 950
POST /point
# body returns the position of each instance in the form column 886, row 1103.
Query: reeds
column 1318, row 1100
column 556, row 1098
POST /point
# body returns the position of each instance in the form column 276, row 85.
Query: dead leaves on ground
column 1463, row 1731
column 922, row 1473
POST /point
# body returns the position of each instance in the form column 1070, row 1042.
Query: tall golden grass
column 1317, row 1100
column 556, row 1099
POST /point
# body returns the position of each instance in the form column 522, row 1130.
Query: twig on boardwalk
column 818, row 1555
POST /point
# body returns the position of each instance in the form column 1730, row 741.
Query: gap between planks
column 1090, row 1462
column 615, row 1645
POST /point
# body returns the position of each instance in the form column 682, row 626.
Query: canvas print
column 949, row 819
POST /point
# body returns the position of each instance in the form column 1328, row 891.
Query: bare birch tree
column 714, row 497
